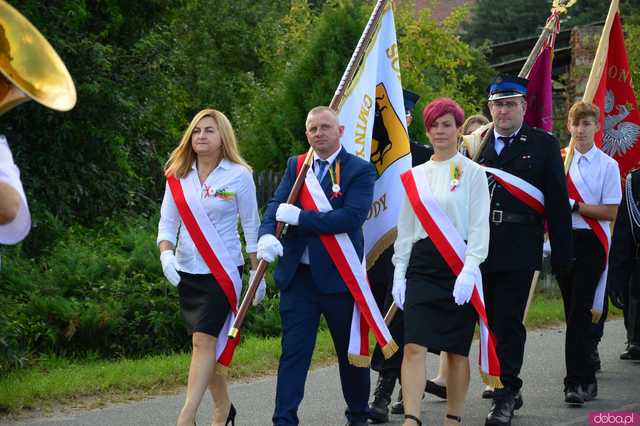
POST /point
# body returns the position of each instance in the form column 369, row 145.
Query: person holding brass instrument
column 340, row 187
column 29, row 69
column 208, row 186
column 450, row 193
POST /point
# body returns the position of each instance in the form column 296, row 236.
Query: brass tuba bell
column 30, row 68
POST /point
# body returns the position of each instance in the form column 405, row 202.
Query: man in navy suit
column 308, row 280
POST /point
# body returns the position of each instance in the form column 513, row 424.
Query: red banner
column 619, row 120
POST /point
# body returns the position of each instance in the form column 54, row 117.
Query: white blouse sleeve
column 248, row 210
column 478, row 211
column 18, row 228
column 404, row 240
column 169, row 219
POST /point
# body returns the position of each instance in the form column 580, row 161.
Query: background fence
column 266, row 183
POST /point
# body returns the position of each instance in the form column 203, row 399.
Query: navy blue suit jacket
column 348, row 215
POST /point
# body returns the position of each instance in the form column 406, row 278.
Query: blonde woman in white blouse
column 437, row 314
column 207, row 158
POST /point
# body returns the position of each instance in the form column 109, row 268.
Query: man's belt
column 501, row 216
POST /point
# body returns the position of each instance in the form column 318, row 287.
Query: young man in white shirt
column 596, row 178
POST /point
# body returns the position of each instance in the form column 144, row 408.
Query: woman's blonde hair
column 474, row 119
column 183, row 156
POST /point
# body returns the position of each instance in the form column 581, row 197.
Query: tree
column 498, row 21
column 433, row 59
column 141, row 70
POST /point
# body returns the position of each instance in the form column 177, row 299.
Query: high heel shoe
column 231, row 418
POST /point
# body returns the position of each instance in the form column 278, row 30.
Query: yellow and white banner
column 372, row 112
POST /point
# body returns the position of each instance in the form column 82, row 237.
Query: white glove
column 269, row 248
column 288, row 213
column 262, row 288
column 463, row 288
column 398, row 291
column 170, row 267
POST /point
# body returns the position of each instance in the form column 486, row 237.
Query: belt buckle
column 496, row 216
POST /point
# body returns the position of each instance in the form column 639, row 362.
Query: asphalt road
column 619, row 390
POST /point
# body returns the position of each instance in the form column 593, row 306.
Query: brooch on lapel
column 208, row 191
column 223, row 194
column 455, row 174
column 335, row 180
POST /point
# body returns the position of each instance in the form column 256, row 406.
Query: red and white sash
column 215, row 254
column 352, row 269
column 580, row 192
column 452, row 248
column 519, row 188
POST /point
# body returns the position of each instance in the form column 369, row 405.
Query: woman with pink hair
column 437, row 312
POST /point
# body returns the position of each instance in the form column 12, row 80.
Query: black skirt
column 203, row 304
column 431, row 317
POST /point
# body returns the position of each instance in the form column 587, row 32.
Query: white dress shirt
column 228, row 177
column 467, row 206
column 498, row 144
column 330, row 159
column 602, row 175
column 16, row 230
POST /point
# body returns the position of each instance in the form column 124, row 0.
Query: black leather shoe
column 631, row 353
column 573, row 394
column 501, row 410
column 435, row 389
column 517, row 401
column 590, row 391
column 398, row 407
column 379, row 408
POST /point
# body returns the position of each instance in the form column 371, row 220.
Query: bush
column 98, row 291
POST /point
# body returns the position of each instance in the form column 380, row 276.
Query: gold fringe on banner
column 390, row 349
column 596, row 315
column 492, row 381
column 359, row 360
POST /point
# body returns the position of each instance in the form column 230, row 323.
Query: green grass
column 90, row 383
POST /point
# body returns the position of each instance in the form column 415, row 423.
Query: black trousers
column 381, row 279
column 506, row 294
column 578, row 289
column 631, row 309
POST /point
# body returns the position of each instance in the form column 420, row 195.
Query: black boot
column 398, row 407
column 502, row 408
column 631, row 353
column 633, row 331
column 379, row 408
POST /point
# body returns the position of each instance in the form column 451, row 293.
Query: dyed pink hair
column 439, row 107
